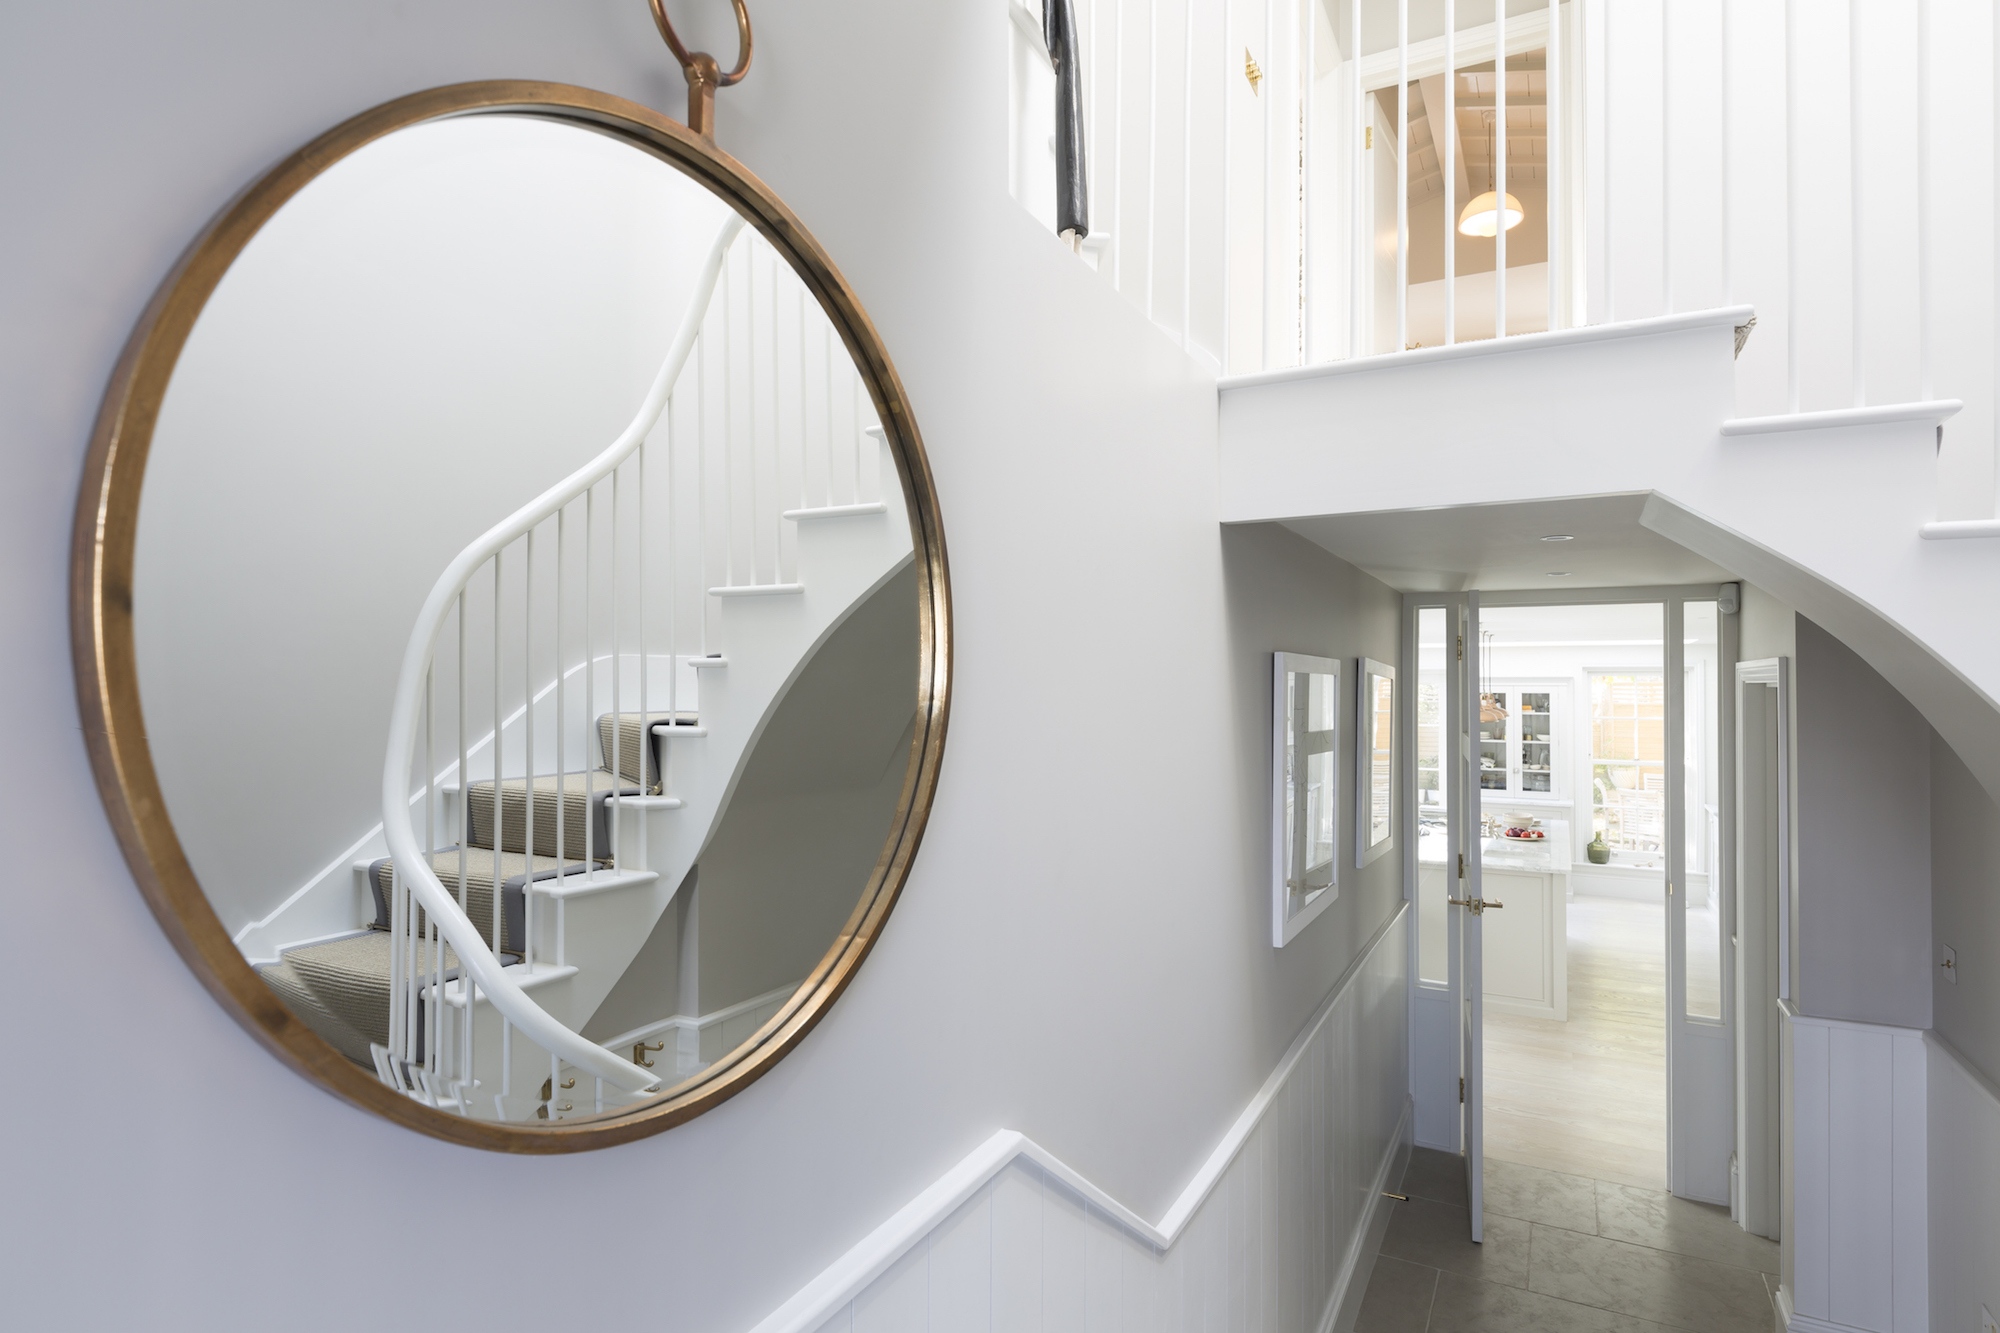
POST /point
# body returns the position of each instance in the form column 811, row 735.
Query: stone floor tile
column 1398, row 1299
column 1667, row 1288
column 1435, row 1175
column 1438, row 1235
column 1467, row 1306
column 1535, row 1195
column 1657, row 1219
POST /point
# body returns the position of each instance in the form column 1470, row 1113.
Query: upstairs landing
column 1822, row 511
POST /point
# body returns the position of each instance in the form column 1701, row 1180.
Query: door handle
column 1478, row 905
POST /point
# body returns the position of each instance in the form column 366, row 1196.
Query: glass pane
column 1703, row 822
column 1381, row 731
column 1433, row 835
column 1493, row 742
column 1628, row 777
column 1536, row 738
column 1319, row 809
column 1312, row 711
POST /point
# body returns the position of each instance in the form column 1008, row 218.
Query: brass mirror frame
column 106, row 666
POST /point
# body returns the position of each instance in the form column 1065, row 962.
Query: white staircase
column 678, row 607
column 1827, row 511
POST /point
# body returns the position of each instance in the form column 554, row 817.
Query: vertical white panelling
column 1269, row 1245
column 1859, row 1189
column 1859, row 1232
column 1141, row 1274
column 1063, row 1280
column 1964, row 1204
column 896, row 1301
column 1018, row 1274
column 1962, row 232
column 1103, row 1275
column 959, row 1285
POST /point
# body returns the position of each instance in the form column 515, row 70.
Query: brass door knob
column 1478, row 905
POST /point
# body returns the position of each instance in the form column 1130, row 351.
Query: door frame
column 1701, row 1054
column 1763, row 955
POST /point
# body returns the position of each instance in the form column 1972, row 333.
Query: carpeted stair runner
column 340, row 989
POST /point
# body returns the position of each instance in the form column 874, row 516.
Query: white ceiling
column 1499, row 547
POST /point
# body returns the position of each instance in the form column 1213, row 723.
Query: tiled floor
column 1562, row 1254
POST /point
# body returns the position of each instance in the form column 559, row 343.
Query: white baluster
column 1500, row 168
column 1451, row 172
column 1403, row 173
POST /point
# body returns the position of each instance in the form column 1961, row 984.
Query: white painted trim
column 1030, row 26
column 1805, row 1323
column 1971, row 1072
column 578, row 885
column 1959, row 528
column 838, row 511
column 1723, row 317
column 879, row 1250
column 1344, row 1298
column 1472, row 46
column 1939, row 411
column 759, row 590
column 697, row 1022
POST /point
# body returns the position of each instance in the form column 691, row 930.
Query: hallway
column 1562, row 1254
column 1588, row 1096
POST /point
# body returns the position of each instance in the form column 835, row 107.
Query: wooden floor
column 1589, row 1097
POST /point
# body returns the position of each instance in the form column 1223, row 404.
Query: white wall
column 1862, row 934
column 1066, row 960
column 1965, row 1006
column 316, row 464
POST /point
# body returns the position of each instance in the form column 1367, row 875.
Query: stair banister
column 412, row 863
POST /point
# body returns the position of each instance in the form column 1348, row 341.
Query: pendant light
column 1478, row 219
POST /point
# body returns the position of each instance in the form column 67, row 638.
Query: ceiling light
column 1559, row 537
column 1481, row 216
column 1559, row 573
column 1477, row 219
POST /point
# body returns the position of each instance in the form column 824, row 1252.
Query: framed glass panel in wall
column 1305, row 805
column 1374, row 754
column 1706, row 923
column 1433, row 813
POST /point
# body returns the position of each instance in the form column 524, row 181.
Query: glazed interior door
column 1466, row 909
column 1701, row 912
column 1433, row 798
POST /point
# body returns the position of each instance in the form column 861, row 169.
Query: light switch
column 1950, row 966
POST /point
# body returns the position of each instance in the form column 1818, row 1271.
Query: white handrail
column 412, row 863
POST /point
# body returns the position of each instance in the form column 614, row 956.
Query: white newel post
column 1858, row 1232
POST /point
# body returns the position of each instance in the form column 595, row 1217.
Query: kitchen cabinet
column 1523, row 739
column 1526, row 943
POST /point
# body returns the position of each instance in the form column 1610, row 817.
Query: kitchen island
column 1526, row 949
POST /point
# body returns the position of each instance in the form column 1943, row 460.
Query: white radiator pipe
column 412, row 864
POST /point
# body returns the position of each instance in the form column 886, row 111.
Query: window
column 1628, row 773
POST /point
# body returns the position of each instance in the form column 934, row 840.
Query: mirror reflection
column 526, row 619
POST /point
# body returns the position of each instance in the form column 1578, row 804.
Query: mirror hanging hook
column 704, row 76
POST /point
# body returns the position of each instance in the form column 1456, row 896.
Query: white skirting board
column 1271, row 1231
column 1965, row 1189
column 1860, row 1247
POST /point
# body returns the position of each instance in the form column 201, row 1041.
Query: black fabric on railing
column 1072, row 193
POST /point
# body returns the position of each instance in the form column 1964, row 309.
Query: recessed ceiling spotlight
column 1559, row 537
column 1559, row 573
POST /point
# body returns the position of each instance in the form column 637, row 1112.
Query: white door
column 1466, row 909
column 1701, row 1073
column 1433, row 799
column 1763, row 878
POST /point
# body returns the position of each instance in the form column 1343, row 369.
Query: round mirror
column 512, row 617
